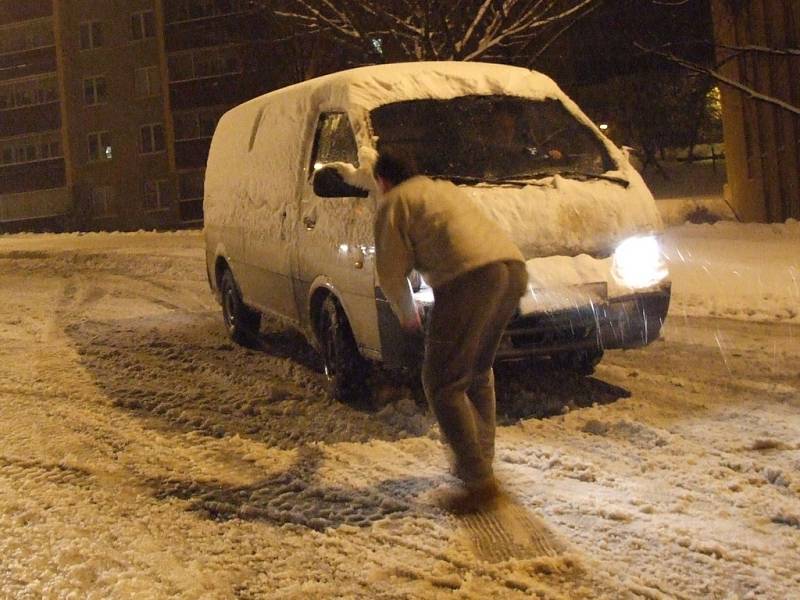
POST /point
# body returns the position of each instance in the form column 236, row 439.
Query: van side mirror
column 328, row 183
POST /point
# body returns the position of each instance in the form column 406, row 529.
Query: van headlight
column 638, row 262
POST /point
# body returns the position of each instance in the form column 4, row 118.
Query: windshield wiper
column 587, row 175
column 469, row 180
column 524, row 180
column 459, row 179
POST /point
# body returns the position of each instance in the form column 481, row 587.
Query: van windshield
column 474, row 139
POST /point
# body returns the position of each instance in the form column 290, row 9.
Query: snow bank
column 748, row 271
column 689, row 191
column 709, row 209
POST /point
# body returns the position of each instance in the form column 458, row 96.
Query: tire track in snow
column 40, row 472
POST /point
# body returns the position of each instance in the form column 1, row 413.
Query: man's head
column 391, row 170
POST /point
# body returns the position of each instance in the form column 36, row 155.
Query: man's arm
column 394, row 259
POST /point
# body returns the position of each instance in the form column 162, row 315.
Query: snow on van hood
column 560, row 216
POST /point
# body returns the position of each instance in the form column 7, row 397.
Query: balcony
column 39, row 204
column 27, row 177
column 13, row 11
column 27, row 62
column 30, row 119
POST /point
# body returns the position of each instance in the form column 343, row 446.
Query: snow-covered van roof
column 369, row 87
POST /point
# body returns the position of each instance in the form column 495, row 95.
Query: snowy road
column 144, row 456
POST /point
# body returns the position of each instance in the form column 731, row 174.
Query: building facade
column 758, row 43
column 34, row 182
column 216, row 56
column 107, row 108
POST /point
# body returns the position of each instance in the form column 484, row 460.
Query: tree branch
column 423, row 29
column 750, row 92
column 761, row 50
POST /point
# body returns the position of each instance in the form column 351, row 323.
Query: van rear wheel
column 241, row 322
column 344, row 367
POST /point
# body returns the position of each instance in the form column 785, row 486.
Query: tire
column 582, row 362
column 345, row 369
column 241, row 322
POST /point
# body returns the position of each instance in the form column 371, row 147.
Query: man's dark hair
column 392, row 168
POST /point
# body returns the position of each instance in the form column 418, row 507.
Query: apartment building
column 107, row 108
column 216, row 59
column 33, row 173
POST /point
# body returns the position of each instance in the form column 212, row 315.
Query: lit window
column 99, row 143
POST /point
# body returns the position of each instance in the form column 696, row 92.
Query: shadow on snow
column 295, row 497
column 179, row 369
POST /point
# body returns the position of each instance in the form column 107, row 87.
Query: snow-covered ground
column 745, row 271
column 144, row 456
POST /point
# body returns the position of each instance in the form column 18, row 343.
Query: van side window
column 334, row 141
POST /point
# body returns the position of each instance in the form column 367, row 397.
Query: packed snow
column 143, row 455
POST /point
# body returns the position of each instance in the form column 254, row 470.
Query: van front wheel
column 345, row 369
column 582, row 362
column 241, row 322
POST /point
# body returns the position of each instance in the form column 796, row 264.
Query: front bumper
column 629, row 322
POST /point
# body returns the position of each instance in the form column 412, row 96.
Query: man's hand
column 413, row 324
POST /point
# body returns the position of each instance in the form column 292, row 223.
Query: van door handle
column 309, row 222
column 359, row 262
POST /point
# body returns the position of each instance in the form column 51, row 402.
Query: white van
column 290, row 204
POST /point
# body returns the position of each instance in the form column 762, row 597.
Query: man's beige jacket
column 433, row 227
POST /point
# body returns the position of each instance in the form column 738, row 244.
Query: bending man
column 478, row 276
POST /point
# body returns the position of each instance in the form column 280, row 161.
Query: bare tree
column 391, row 30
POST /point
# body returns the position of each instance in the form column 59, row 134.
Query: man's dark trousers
column 469, row 316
